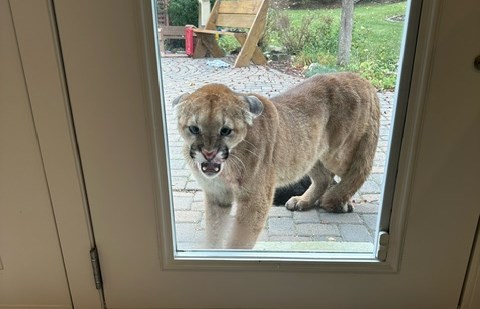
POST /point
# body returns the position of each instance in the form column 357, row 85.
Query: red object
column 189, row 47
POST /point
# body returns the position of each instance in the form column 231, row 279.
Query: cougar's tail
column 337, row 197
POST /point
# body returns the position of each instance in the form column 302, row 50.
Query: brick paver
column 283, row 227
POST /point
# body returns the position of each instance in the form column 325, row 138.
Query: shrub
column 328, row 34
column 183, row 12
column 378, row 64
column 228, row 43
column 316, row 68
column 292, row 36
column 375, row 39
column 379, row 67
column 310, row 38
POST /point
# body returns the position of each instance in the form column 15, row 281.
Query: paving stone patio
column 285, row 230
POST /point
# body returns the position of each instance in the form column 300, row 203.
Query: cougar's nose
column 209, row 155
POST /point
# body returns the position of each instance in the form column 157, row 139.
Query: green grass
column 375, row 40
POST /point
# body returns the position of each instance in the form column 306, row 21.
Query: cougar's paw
column 296, row 203
column 337, row 207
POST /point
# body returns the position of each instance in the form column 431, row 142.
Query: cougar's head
column 212, row 121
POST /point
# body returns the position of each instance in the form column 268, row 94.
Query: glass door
column 300, row 43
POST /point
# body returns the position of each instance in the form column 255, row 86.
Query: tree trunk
column 345, row 42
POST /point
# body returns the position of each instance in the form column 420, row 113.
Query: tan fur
column 325, row 126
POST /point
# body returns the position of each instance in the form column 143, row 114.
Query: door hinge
column 97, row 274
column 382, row 245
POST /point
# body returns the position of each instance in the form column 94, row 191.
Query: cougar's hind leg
column 321, row 178
column 337, row 198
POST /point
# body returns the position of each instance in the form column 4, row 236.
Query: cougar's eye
column 225, row 131
column 194, row 130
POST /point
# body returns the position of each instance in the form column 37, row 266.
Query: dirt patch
column 286, row 67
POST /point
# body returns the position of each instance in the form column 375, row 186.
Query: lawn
column 311, row 36
column 375, row 41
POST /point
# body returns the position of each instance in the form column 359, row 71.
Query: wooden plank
column 172, row 31
column 212, row 19
column 235, row 20
column 200, row 50
column 211, row 45
column 216, row 32
column 239, row 6
column 257, row 57
column 169, row 32
column 254, row 35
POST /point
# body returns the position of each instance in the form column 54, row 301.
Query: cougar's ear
column 179, row 99
column 254, row 104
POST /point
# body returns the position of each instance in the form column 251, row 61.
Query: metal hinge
column 97, row 273
column 382, row 246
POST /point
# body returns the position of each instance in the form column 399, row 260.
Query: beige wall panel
column 33, row 271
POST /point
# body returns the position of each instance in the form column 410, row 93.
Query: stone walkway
column 285, row 230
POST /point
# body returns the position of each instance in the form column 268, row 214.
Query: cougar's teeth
column 204, row 168
column 217, row 169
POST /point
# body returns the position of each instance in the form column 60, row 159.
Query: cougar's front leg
column 217, row 216
column 252, row 212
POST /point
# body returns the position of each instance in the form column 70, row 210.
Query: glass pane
column 299, row 43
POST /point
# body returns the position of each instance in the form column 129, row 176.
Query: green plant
column 294, row 36
column 228, row 43
column 316, row 68
column 327, row 33
column 324, row 47
column 377, row 61
column 379, row 67
column 183, row 12
column 375, row 41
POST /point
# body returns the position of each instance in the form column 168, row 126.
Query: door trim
column 48, row 93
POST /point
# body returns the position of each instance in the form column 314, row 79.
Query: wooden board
column 216, row 32
column 257, row 57
column 239, row 7
column 172, row 31
column 235, row 20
